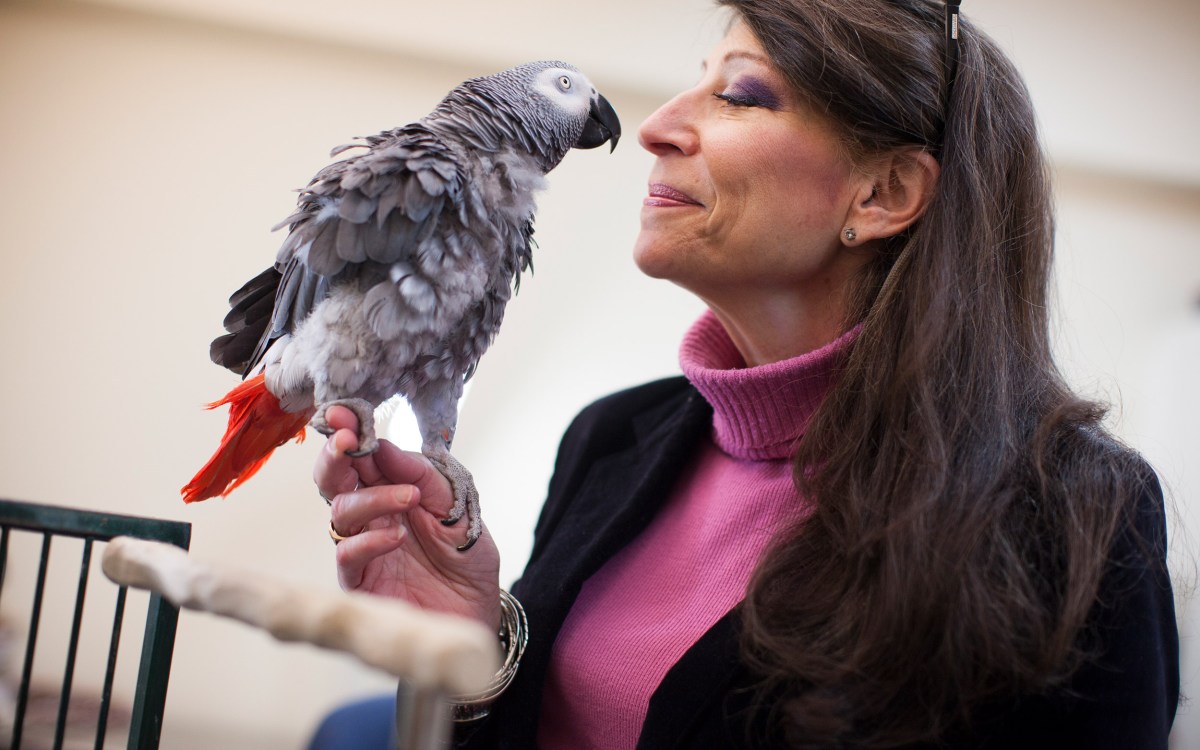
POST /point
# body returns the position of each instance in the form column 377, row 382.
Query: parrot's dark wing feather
column 374, row 208
column 250, row 310
column 297, row 292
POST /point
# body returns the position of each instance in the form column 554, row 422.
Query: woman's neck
column 768, row 330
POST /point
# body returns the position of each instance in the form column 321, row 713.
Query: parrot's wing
column 250, row 310
column 365, row 213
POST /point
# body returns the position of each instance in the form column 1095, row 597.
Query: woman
column 871, row 515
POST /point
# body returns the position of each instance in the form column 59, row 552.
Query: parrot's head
column 566, row 98
column 548, row 107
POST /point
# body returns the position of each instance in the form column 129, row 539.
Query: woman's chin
column 664, row 254
column 653, row 260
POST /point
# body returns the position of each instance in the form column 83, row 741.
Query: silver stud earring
column 849, row 234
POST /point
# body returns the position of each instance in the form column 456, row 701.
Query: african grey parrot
column 395, row 272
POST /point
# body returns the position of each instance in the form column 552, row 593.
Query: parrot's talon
column 462, row 484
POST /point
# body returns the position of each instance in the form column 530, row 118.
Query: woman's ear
column 895, row 193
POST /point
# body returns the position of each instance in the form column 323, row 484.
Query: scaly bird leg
column 466, row 497
column 436, row 407
column 367, row 442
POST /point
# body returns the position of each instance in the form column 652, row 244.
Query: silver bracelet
column 514, row 636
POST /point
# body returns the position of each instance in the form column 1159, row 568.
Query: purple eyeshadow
column 756, row 90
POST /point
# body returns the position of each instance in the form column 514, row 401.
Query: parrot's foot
column 466, row 497
column 367, row 442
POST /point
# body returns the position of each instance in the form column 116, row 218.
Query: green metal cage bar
column 161, row 617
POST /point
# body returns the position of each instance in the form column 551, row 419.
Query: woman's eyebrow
column 738, row 54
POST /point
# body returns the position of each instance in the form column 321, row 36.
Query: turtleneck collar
column 758, row 412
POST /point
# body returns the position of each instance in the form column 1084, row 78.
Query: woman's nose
column 671, row 128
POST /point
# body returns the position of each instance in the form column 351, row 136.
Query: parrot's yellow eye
column 564, row 83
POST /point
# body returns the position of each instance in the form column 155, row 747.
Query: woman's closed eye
column 748, row 92
column 738, row 99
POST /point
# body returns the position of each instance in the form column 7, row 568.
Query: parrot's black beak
column 602, row 125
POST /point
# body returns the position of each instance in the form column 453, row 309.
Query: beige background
column 147, row 146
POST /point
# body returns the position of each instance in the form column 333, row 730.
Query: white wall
column 145, row 157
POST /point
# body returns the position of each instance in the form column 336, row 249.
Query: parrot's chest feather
column 508, row 184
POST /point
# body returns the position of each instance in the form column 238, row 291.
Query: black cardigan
column 616, row 467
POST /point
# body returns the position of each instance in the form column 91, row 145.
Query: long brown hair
column 965, row 499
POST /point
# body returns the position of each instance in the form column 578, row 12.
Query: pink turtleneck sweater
column 640, row 612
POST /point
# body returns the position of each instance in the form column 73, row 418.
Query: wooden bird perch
column 430, row 651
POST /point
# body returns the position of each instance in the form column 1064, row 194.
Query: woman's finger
column 368, row 467
column 355, row 553
column 404, row 467
column 341, row 418
column 335, row 472
column 352, row 512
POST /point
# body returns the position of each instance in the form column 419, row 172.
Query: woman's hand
column 389, row 506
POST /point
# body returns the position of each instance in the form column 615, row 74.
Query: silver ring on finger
column 329, row 500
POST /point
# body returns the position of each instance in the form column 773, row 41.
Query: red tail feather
column 257, row 426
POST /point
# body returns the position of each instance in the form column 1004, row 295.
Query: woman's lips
column 665, row 196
